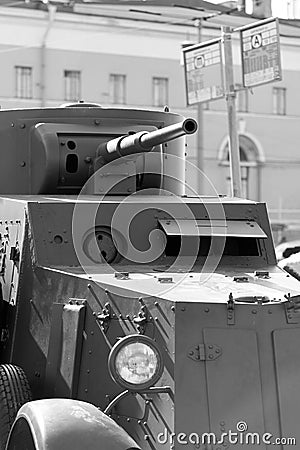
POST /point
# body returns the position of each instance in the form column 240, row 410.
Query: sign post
column 234, row 149
column 205, row 64
column 200, row 137
column 204, row 72
column 260, row 53
column 204, row 82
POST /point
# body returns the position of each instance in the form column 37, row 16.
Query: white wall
column 100, row 46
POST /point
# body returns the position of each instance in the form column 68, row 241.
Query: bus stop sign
column 260, row 53
column 203, row 67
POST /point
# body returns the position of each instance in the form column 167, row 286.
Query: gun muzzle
column 144, row 141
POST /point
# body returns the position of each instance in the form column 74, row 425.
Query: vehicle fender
column 67, row 424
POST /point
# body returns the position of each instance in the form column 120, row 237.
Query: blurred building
column 286, row 9
column 259, row 8
column 50, row 57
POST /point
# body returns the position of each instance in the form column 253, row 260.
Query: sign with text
column 203, row 67
column 260, row 53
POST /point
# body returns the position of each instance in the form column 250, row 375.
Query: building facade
column 51, row 57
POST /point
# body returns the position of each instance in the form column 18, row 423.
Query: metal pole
column 234, row 151
column 200, row 145
column 51, row 16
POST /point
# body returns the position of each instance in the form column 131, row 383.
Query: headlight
column 135, row 362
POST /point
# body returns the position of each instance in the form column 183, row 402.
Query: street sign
column 203, row 68
column 260, row 53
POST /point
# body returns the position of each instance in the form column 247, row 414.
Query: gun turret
column 142, row 141
column 122, row 177
column 58, row 150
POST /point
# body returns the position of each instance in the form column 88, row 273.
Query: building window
column 160, row 91
column 244, row 183
column 117, row 88
column 279, row 101
column 23, row 81
column 72, row 84
column 242, row 100
column 249, row 161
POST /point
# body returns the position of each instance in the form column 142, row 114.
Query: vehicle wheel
column 14, row 392
column 21, row 437
column 66, row 424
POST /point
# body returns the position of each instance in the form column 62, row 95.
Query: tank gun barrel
column 149, row 140
column 144, row 141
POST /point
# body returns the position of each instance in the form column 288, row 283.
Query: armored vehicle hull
column 133, row 315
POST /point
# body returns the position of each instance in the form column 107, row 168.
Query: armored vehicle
column 135, row 314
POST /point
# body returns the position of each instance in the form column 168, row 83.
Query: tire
column 21, row 437
column 14, row 392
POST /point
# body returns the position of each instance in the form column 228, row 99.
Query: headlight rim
column 122, row 342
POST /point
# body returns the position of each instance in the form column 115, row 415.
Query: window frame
column 74, row 85
column 279, row 100
column 23, row 82
column 117, row 92
column 156, row 85
column 242, row 99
